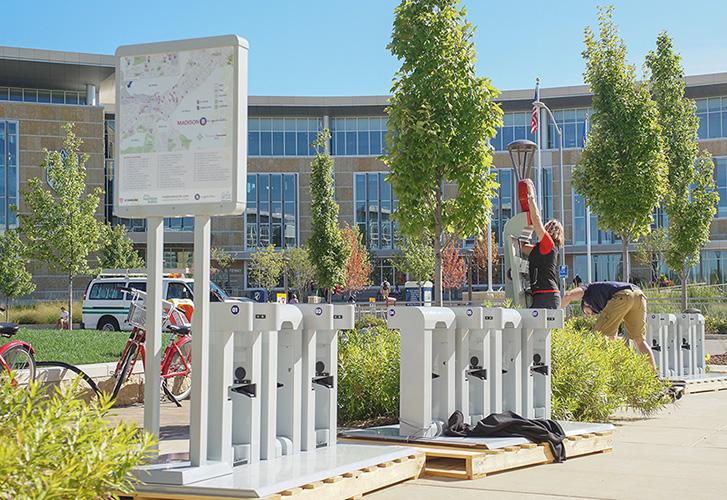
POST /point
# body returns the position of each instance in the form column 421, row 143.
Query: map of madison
column 176, row 101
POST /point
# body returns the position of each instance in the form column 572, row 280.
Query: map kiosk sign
column 181, row 128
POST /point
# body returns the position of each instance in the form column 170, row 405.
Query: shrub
column 56, row 446
column 368, row 374
column 715, row 323
column 370, row 321
column 593, row 376
column 43, row 313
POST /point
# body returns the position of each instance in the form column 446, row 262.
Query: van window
column 106, row 291
column 178, row 291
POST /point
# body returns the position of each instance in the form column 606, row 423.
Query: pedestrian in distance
column 615, row 302
column 63, row 319
column 293, row 298
column 543, row 257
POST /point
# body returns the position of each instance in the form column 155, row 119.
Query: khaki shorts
column 629, row 307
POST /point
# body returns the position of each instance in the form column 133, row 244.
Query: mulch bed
column 718, row 359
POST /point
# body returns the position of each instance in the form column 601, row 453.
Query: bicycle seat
column 179, row 329
column 8, row 329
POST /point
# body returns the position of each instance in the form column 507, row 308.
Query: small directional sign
column 563, row 271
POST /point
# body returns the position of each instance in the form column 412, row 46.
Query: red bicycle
column 176, row 366
column 17, row 358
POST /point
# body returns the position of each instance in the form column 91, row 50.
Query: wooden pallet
column 694, row 386
column 349, row 485
column 467, row 462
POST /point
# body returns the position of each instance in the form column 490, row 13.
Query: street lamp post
column 467, row 253
column 541, row 105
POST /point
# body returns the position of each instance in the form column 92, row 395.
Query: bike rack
column 537, row 370
column 658, row 328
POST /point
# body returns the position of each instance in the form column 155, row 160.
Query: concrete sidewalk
column 679, row 453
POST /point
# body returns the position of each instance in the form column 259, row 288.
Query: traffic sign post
column 182, row 151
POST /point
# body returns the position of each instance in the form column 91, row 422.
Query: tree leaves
column 15, row 280
column 358, row 264
column 117, row 249
column 328, row 250
column 266, row 267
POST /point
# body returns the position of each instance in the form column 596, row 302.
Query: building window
column 374, row 203
column 514, row 126
column 43, row 96
column 598, row 237
column 9, row 182
column 712, row 119
column 572, row 123
column 282, row 136
column 604, row 267
column 271, row 217
column 361, row 136
column 720, row 179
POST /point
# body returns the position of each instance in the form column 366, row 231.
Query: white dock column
column 426, row 373
column 326, row 393
column 685, row 324
column 657, row 335
column 317, row 320
column 534, row 330
column 700, row 364
column 512, row 372
column 672, row 358
column 229, row 323
column 153, row 342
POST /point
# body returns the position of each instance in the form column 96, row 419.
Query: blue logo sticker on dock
column 319, row 311
column 235, row 309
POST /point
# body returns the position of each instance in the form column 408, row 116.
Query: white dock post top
column 420, row 318
column 317, row 316
column 534, row 318
column 500, row 317
column 662, row 318
column 231, row 316
column 272, row 316
column 344, row 316
column 555, row 318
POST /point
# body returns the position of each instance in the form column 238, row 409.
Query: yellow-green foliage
column 592, row 377
column 368, row 374
column 43, row 313
column 56, row 446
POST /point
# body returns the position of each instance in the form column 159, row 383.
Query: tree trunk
column 683, row 277
column 70, row 302
column 7, row 309
column 625, row 259
column 438, row 250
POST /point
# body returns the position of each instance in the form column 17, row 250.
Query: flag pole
column 539, row 168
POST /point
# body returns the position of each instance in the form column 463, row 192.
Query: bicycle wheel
column 86, row 388
column 180, row 385
column 125, row 371
column 21, row 363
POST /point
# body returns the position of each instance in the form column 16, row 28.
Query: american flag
column 534, row 119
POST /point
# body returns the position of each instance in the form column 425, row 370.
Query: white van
column 106, row 305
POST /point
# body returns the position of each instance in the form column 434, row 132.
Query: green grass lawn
column 76, row 347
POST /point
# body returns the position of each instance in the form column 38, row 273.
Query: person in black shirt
column 615, row 303
column 543, row 257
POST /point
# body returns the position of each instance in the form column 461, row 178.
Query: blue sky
column 338, row 47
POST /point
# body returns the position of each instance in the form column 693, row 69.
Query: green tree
column 60, row 225
column 266, row 267
column 441, row 115
column 416, row 258
column 691, row 198
column 622, row 171
column 222, row 260
column 15, row 280
column 299, row 267
column 328, row 250
column 117, row 249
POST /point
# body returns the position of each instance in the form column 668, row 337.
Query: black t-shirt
column 543, row 269
column 596, row 295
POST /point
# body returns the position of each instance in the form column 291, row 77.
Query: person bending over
column 615, row 303
column 543, row 257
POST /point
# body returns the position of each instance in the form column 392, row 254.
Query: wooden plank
column 704, row 385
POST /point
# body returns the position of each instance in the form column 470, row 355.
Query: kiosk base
column 270, row 477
